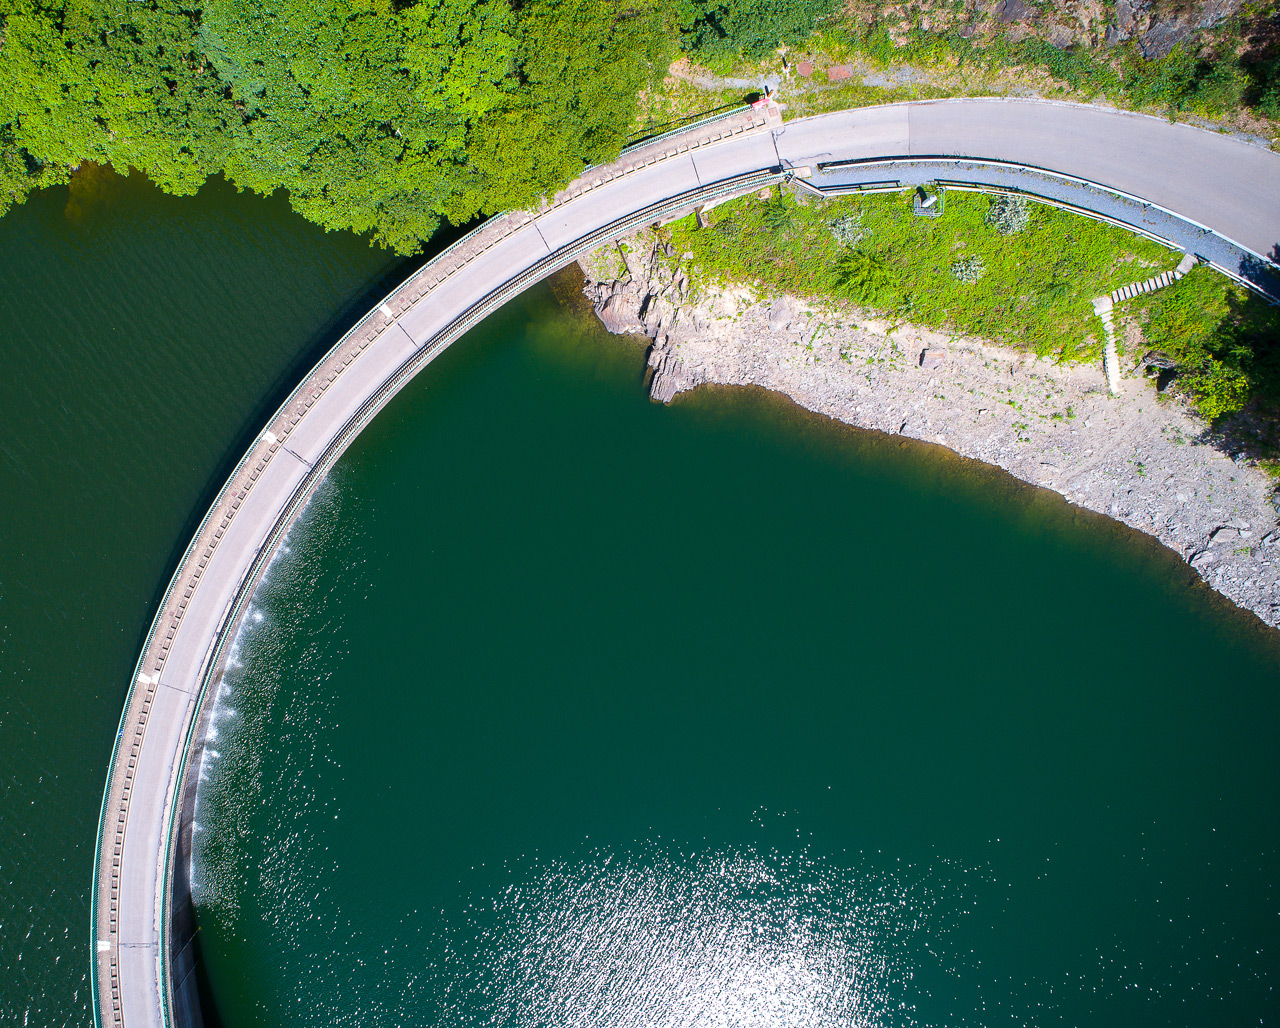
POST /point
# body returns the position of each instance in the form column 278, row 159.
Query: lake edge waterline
column 1051, row 426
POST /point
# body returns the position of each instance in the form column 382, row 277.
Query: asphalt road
column 1209, row 178
column 1228, row 186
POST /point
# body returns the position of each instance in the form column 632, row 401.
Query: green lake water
column 145, row 339
column 565, row 709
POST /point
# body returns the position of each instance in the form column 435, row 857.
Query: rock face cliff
column 1159, row 28
column 1155, row 25
column 1139, row 458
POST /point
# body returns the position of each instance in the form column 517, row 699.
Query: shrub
column 1009, row 214
column 1192, row 325
column 848, row 230
column 1218, row 388
column 863, row 275
column 969, row 270
column 1266, row 86
column 778, row 218
column 1269, row 104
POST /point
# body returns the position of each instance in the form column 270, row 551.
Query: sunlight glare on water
column 654, row 935
column 652, row 940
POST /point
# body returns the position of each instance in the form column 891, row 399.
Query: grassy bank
column 1032, row 292
column 1021, row 274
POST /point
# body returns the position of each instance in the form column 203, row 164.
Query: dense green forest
column 375, row 115
column 388, row 116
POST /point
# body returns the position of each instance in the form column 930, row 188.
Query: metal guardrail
column 1263, row 261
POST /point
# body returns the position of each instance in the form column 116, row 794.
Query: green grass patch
column 1030, row 289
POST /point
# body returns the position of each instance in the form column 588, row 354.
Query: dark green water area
column 144, row 339
column 563, row 709
column 566, row 709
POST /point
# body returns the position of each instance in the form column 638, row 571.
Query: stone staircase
column 1165, row 278
column 1104, row 305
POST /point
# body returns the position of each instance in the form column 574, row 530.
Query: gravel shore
column 1140, row 458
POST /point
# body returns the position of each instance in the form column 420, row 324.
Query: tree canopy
column 373, row 115
column 727, row 28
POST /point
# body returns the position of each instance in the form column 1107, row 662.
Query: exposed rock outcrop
column 1156, row 25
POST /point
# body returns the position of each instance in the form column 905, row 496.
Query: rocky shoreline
column 1139, row 458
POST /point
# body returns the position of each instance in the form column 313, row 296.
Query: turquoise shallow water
column 565, row 709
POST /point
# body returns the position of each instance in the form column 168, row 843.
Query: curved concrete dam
column 1196, row 189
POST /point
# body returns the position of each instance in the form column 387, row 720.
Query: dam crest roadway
column 1207, row 194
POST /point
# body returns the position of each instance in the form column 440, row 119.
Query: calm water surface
column 565, row 709
column 144, row 340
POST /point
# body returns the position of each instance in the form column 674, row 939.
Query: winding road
column 1198, row 190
